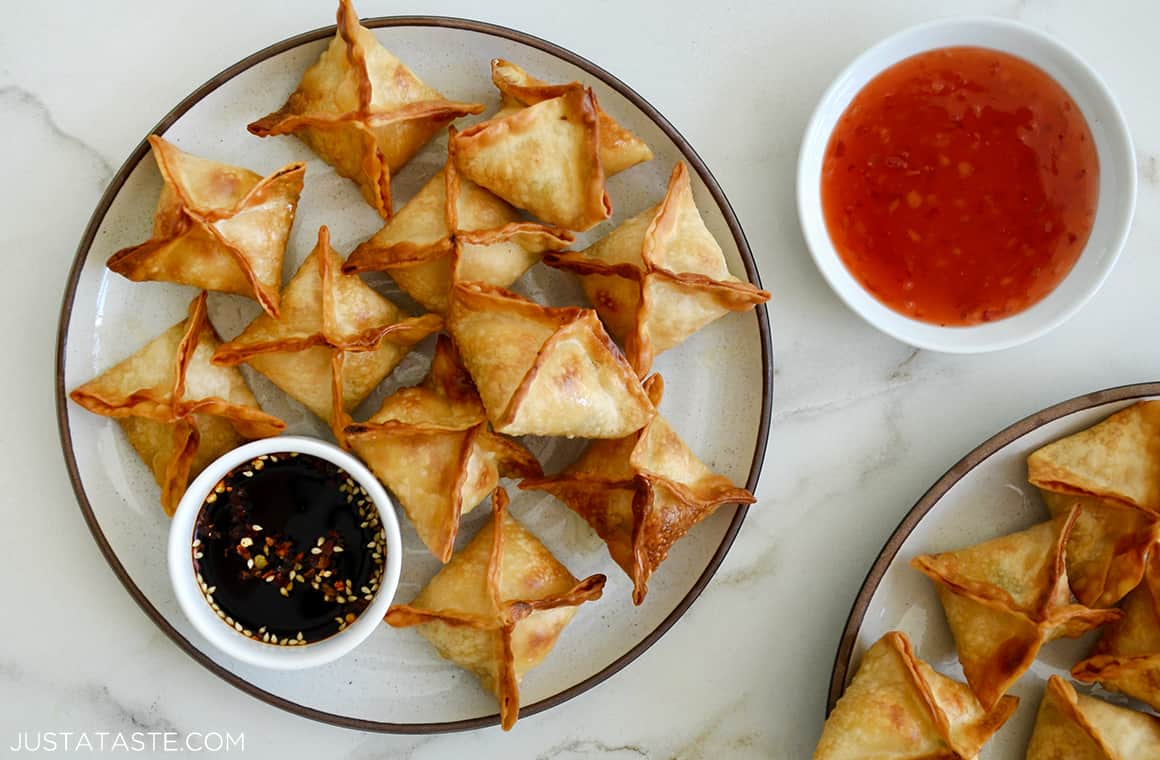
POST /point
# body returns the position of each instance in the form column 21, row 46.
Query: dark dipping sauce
column 288, row 549
column 960, row 186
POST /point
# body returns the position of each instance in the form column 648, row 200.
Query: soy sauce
column 288, row 549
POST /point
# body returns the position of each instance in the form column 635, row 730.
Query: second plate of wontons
column 396, row 681
column 978, row 559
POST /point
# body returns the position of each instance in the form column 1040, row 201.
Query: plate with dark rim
column 983, row 496
column 395, row 682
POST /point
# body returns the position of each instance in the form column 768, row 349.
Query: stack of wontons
column 514, row 189
column 1007, row 597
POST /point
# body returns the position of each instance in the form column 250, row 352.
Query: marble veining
column 13, row 97
column 862, row 424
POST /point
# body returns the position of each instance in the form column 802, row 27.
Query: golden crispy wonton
column 362, row 110
column 1108, row 548
column 898, row 707
column 619, row 148
column 1117, row 460
column 1073, row 726
column 641, row 493
column 178, row 410
column 451, row 231
column 217, row 227
column 1006, row 598
column 1127, row 658
column 335, row 340
column 432, row 447
column 544, row 158
column 499, row 606
column 659, row 277
column 542, row 370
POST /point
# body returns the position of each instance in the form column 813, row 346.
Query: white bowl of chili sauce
column 966, row 185
column 285, row 553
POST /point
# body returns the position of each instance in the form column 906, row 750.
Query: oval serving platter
column 719, row 383
column 983, row 496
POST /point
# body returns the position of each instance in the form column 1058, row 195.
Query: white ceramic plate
column 984, row 496
column 719, row 383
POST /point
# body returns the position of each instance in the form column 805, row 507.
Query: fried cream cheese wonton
column 1006, row 598
column 1117, row 460
column 898, row 707
column 619, row 148
column 452, row 231
column 217, row 227
column 499, row 606
column 1108, row 547
column 335, row 340
column 431, row 445
column 542, row 370
column 1127, row 657
column 659, row 277
column 1072, row 726
column 178, row 410
column 362, row 111
column 641, row 493
column 544, row 159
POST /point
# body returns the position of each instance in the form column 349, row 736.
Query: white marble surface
column 862, row 424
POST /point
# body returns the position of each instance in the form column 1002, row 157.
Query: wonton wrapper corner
column 178, row 410
column 642, row 493
column 431, row 445
column 543, row 370
column 499, row 606
column 660, row 276
column 897, row 706
column 1079, row 727
column 335, row 341
column 1117, row 459
column 452, row 231
column 1005, row 598
column 1127, row 657
column 362, row 110
column 216, row 227
column 544, row 159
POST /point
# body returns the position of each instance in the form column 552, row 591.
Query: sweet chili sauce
column 960, row 185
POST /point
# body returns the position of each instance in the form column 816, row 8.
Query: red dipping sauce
column 960, row 186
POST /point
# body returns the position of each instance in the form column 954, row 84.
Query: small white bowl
column 1116, row 199
column 216, row 630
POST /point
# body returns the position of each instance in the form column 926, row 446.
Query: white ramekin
column 216, row 630
column 1116, row 200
